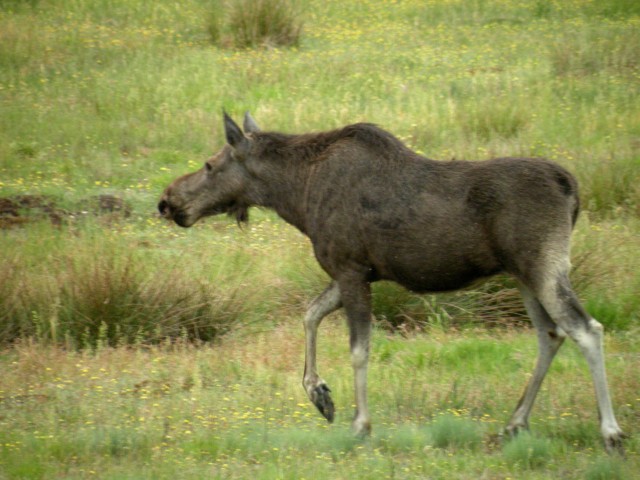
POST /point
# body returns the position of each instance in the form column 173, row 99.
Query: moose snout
column 171, row 212
column 163, row 208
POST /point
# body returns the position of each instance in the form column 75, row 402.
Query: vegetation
column 236, row 410
column 254, row 23
column 104, row 315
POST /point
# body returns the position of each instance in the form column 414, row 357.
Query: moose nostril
column 163, row 207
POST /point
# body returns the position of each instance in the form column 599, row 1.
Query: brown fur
column 375, row 210
column 369, row 202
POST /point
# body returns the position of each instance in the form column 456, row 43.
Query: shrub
column 113, row 300
column 254, row 23
column 395, row 307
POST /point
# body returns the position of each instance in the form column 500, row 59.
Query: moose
column 375, row 210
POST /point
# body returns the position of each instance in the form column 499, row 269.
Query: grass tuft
column 528, row 452
column 612, row 185
column 448, row 431
column 605, row 469
column 250, row 23
column 493, row 118
column 94, row 294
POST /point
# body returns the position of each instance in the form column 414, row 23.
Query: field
column 131, row 348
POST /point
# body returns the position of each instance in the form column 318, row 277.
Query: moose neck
column 280, row 180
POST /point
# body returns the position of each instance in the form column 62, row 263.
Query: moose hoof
column 321, row 398
column 614, row 444
column 361, row 428
column 513, row 430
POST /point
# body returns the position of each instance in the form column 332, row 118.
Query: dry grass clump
column 104, row 297
column 496, row 302
column 255, row 23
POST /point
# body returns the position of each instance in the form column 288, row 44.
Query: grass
column 605, row 469
column 137, row 281
column 90, row 292
column 459, row 82
column 453, row 432
column 237, row 409
column 133, row 349
column 529, row 452
column 250, row 24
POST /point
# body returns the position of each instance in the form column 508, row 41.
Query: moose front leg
column 316, row 388
column 356, row 298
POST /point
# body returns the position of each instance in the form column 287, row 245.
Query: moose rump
column 373, row 209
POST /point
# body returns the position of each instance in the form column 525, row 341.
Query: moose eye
column 208, row 166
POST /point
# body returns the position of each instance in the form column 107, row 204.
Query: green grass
column 605, row 469
column 529, row 452
column 237, row 409
column 103, row 319
column 453, row 432
column 460, row 81
column 117, row 282
column 138, row 282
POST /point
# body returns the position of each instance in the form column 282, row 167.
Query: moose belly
column 437, row 279
column 449, row 267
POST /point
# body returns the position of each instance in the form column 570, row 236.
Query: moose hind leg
column 316, row 388
column 563, row 306
column 550, row 339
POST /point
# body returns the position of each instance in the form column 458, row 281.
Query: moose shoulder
column 374, row 210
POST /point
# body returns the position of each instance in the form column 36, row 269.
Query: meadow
column 131, row 348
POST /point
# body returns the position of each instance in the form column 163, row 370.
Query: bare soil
column 17, row 210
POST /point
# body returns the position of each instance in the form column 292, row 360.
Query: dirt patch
column 107, row 204
column 20, row 209
column 17, row 210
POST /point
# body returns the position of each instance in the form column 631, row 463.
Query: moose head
column 222, row 185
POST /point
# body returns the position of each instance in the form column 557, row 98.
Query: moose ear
column 234, row 135
column 250, row 125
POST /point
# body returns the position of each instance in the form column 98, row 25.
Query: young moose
column 375, row 210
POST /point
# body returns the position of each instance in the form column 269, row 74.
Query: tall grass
column 589, row 52
column 248, row 24
column 148, row 282
column 95, row 292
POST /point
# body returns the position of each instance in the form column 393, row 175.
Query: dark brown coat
column 374, row 210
